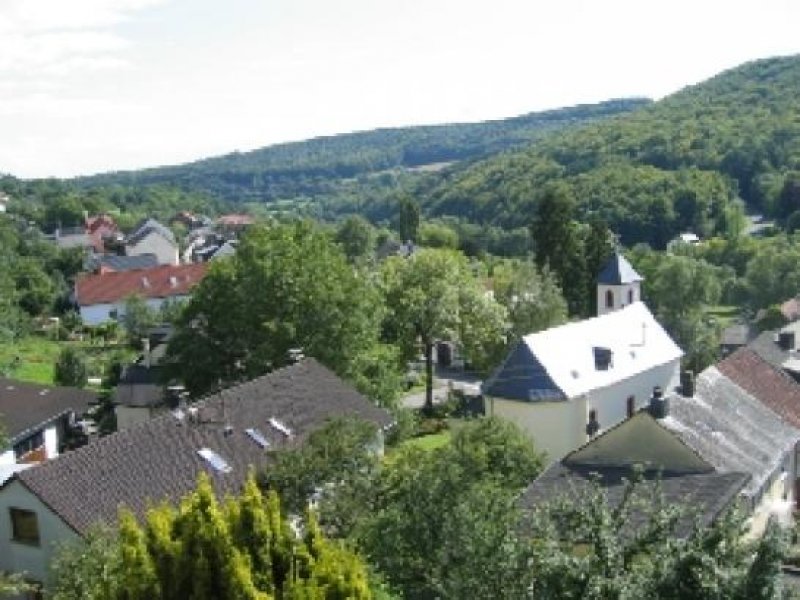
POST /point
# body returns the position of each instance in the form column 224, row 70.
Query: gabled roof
column 766, row 345
column 235, row 220
column 163, row 281
column 768, row 384
column 618, row 271
column 115, row 262
column 26, row 407
column 158, row 460
column 562, row 362
column 731, row 429
column 148, row 226
column 610, row 459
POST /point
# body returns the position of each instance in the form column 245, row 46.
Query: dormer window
column 602, row 358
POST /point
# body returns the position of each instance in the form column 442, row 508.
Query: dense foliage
column 317, row 167
column 241, row 549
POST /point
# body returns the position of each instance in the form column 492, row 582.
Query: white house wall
column 556, row 428
column 18, row 557
column 96, row 314
column 8, row 457
column 51, row 441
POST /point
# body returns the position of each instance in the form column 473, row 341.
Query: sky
column 89, row 86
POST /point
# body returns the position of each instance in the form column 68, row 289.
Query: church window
column 609, row 299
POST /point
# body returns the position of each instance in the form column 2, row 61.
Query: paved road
column 442, row 380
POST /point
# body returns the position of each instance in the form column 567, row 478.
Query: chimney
column 146, row 351
column 786, row 340
column 659, row 405
column 687, row 383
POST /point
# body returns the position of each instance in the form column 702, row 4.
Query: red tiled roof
column 235, row 220
column 774, row 388
column 163, row 281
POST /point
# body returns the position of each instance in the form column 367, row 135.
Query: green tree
column 432, row 295
column 288, row 286
column 408, row 219
column 137, row 319
column 243, row 549
column 71, row 368
column 559, row 246
column 356, row 236
column 532, row 298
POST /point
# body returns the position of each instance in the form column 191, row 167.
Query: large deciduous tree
column 431, row 296
column 288, row 286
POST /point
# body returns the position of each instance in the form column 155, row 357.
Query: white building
column 568, row 383
column 151, row 237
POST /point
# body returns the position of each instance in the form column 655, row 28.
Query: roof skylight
column 280, row 427
column 257, row 437
column 215, row 460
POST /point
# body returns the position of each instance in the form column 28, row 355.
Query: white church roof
column 570, row 360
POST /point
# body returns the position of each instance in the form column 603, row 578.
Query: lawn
column 723, row 314
column 38, row 355
column 428, row 442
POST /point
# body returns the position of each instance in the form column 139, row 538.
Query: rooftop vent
column 215, row 460
column 280, row 427
column 257, row 437
column 659, row 405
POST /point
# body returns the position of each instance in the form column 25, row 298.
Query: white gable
column 636, row 340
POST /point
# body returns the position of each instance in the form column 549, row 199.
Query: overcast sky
column 94, row 85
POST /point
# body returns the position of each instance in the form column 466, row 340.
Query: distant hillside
column 316, row 167
column 676, row 164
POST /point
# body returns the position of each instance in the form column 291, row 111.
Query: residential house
column 225, row 250
column 224, row 435
column 771, row 386
column 735, row 432
column 101, row 228
column 36, row 419
column 234, row 224
column 734, row 337
column 151, row 237
column 683, row 239
column 102, row 297
column 640, row 447
column 779, row 348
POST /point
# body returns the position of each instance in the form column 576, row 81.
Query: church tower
column 618, row 285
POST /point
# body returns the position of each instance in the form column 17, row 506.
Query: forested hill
column 674, row 165
column 312, row 167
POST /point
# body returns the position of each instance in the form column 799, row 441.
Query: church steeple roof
column 618, row 271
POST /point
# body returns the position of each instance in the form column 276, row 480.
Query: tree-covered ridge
column 307, row 168
column 672, row 165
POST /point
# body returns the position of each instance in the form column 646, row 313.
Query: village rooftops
column 618, row 271
column 162, row 458
column 640, row 447
column 27, row 407
column 147, row 226
column 731, row 429
column 164, row 281
column 771, row 385
column 570, row 360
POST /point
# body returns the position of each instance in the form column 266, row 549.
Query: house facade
column 101, row 297
column 225, row 435
column 151, row 237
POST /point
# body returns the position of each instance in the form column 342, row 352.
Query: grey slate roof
column 149, row 225
column 702, row 495
column 158, row 460
column 766, row 346
column 618, row 271
column 27, row 407
column 731, row 429
column 522, row 377
column 128, row 263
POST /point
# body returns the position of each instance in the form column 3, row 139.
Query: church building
column 567, row 384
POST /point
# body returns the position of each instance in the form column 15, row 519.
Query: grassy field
column 428, row 442
column 724, row 314
column 38, row 355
